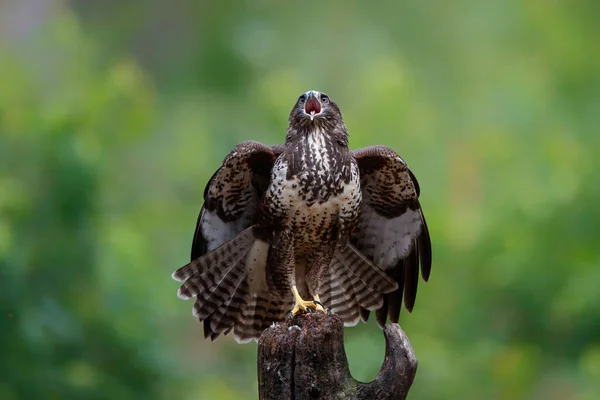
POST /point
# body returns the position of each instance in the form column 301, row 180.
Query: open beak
column 312, row 107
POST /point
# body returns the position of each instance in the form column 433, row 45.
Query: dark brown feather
column 390, row 191
column 256, row 160
column 394, row 299
column 424, row 246
column 364, row 313
column 411, row 280
column 259, row 159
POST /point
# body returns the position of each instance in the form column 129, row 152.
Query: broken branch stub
column 304, row 358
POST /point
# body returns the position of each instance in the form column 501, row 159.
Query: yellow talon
column 305, row 305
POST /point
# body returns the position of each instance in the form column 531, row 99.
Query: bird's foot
column 307, row 306
column 321, row 307
column 302, row 305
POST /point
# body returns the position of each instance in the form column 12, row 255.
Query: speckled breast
column 315, row 189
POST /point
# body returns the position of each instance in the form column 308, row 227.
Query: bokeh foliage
column 113, row 115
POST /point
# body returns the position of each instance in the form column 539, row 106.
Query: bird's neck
column 317, row 152
column 317, row 133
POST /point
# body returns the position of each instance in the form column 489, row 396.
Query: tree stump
column 304, row 358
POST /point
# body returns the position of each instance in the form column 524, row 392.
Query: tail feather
column 366, row 297
column 334, row 294
column 219, row 281
column 218, row 259
column 355, row 283
column 370, row 274
column 231, row 295
column 205, row 282
column 263, row 310
column 242, row 330
column 212, row 293
column 340, row 296
column 225, row 315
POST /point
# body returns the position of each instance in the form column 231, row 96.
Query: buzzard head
column 315, row 109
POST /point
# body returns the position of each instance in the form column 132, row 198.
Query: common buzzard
column 307, row 225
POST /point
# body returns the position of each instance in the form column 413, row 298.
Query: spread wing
column 392, row 231
column 233, row 194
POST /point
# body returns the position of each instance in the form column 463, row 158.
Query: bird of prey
column 306, row 226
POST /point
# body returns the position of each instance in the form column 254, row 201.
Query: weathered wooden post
column 304, row 358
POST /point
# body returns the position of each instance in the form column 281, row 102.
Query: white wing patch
column 389, row 240
column 216, row 231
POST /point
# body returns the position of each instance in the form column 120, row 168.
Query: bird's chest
column 315, row 190
column 318, row 168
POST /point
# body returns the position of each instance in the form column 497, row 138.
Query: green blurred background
column 113, row 115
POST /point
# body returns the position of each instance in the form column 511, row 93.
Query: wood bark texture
column 304, row 358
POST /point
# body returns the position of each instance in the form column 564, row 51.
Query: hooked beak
column 312, row 107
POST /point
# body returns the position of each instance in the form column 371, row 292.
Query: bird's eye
column 302, row 99
column 324, row 98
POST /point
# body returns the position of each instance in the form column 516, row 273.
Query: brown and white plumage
column 308, row 218
column 392, row 231
column 218, row 274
